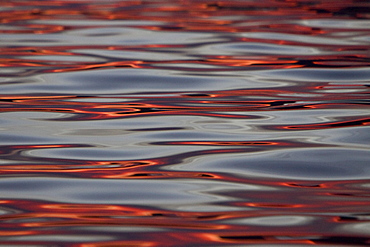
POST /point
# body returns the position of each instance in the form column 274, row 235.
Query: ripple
column 184, row 123
column 310, row 164
column 275, row 221
column 58, row 238
column 358, row 228
column 300, row 39
column 100, row 191
column 251, row 48
column 116, row 81
column 338, row 23
column 332, row 75
column 122, row 192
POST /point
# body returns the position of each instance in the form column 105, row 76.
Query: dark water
column 184, row 123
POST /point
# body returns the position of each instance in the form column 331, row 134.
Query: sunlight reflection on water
column 184, row 123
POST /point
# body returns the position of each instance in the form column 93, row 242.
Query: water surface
column 184, row 123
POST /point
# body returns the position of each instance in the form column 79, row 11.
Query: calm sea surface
column 184, row 123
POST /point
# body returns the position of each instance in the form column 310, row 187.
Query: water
column 184, row 123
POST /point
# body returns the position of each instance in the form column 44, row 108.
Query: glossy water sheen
column 184, row 123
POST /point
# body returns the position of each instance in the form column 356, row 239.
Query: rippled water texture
column 184, row 123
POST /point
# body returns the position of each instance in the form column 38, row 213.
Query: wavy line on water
column 214, row 104
column 306, row 61
column 36, row 217
column 338, row 46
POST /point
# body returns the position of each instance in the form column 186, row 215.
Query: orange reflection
column 334, row 124
column 196, row 16
column 290, row 25
column 219, row 104
column 272, row 239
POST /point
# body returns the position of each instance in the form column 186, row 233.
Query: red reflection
column 196, row 16
column 334, row 124
column 237, row 216
column 196, row 228
column 218, row 104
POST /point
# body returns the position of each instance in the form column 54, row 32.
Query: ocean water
column 184, row 123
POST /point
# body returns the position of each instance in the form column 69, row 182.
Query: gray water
column 184, row 123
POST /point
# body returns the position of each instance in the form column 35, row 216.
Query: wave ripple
column 184, row 123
